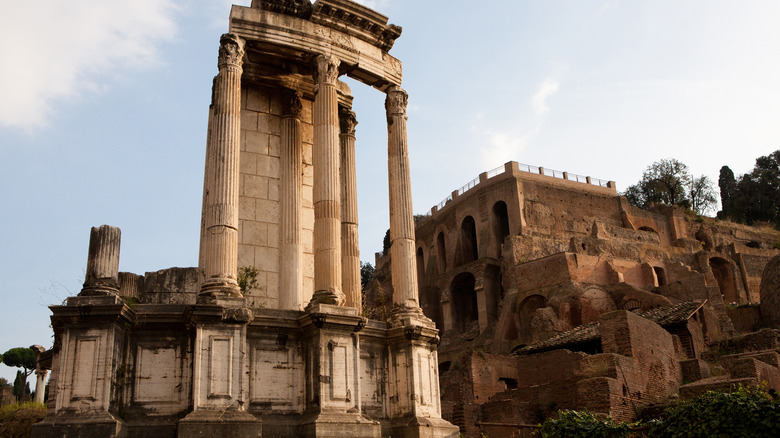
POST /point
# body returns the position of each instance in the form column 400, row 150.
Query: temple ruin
column 185, row 351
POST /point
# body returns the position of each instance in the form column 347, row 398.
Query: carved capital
column 347, row 120
column 327, row 69
column 291, row 103
column 231, row 51
column 396, row 100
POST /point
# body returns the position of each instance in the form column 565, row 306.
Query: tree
column 702, row 194
column 21, row 358
column 757, row 195
column 663, row 182
column 21, row 387
column 728, row 190
column 366, row 274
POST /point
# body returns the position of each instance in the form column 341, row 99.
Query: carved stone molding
column 231, row 51
column 348, row 121
column 327, row 69
column 291, row 103
column 396, row 100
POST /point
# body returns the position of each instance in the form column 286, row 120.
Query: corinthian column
column 220, row 216
column 103, row 261
column 350, row 250
column 327, row 196
column 290, row 277
column 402, row 260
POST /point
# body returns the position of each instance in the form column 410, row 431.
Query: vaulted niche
column 464, row 300
column 468, row 241
column 500, row 225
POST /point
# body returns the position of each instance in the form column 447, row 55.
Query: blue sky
column 103, row 109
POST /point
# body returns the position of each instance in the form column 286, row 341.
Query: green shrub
column 746, row 412
column 582, row 424
column 16, row 419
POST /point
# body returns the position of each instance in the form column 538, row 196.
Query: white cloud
column 54, row 50
column 547, row 89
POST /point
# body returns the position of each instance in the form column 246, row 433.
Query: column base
column 216, row 289
column 338, row 425
column 330, row 296
column 97, row 424
column 406, row 316
column 423, row 427
column 230, row 423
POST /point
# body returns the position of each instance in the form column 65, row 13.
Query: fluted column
column 402, row 259
column 350, row 249
column 220, row 249
column 327, row 196
column 290, row 276
column 103, row 261
column 40, row 385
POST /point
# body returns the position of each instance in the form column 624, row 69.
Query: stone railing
column 507, row 168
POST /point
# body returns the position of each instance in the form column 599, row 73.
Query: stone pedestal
column 333, row 374
column 219, row 389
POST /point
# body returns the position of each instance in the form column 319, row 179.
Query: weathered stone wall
column 258, row 239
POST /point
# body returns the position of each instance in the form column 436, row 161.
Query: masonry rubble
column 184, row 351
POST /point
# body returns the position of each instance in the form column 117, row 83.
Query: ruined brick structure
column 551, row 291
column 185, row 351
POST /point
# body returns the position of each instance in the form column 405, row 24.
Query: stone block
column 269, row 124
column 273, row 189
column 306, row 111
column 268, row 166
column 307, row 219
column 257, row 99
column 694, row 369
column 307, row 133
column 254, row 233
column 274, row 145
column 249, row 120
column 255, row 142
column 246, row 208
column 255, row 186
column 246, row 255
column 248, row 163
column 273, row 236
column 306, row 153
column 267, row 211
column 267, row 259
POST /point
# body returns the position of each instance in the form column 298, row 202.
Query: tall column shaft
column 40, row 385
column 350, row 248
column 402, row 259
column 220, row 217
column 103, row 261
column 327, row 193
column 290, row 276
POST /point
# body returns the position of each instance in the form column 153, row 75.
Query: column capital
column 327, row 69
column 396, row 100
column 347, row 120
column 291, row 103
column 231, row 51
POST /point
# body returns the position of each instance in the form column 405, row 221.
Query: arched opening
column 724, row 275
column 632, row 304
column 420, row 265
column 468, row 241
column 441, row 253
column 594, row 303
column 660, row 274
column 526, row 312
column 500, row 225
column 464, row 299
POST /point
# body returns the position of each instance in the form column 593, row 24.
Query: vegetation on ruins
column 742, row 413
column 366, row 274
column 583, row 424
column 669, row 181
column 17, row 419
column 754, row 196
column 26, row 359
column 746, row 412
column 247, row 278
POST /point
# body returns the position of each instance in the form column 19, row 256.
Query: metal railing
column 468, row 185
column 495, row 172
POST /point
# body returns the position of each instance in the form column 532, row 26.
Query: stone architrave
column 103, row 261
column 220, row 249
column 327, row 193
column 402, row 257
column 350, row 248
column 290, row 275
